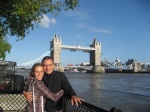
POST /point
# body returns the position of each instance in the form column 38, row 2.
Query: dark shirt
column 55, row 82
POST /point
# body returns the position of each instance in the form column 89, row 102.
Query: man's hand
column 76, row 100
column 28, row 96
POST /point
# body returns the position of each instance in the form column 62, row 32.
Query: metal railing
column 12, row 101
column 16, row 102
column 84, row 107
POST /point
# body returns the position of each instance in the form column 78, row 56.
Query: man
column 55, row 81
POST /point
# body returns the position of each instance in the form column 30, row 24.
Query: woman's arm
column 43, row 90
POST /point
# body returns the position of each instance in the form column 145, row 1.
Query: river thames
column 128, row 92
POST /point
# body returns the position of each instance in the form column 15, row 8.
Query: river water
column 128, row 92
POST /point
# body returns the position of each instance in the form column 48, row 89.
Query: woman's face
column 38, row 72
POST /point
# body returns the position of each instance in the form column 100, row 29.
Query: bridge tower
column 95, row 57
column 135, row 66
column 56, row 52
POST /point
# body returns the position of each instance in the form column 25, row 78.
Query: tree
column 4, row 47
column 17, row 17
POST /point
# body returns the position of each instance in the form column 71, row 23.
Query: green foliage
column 4, row 47
column 17, row 17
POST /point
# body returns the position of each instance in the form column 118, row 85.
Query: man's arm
column 68, row 88
column 28, row 95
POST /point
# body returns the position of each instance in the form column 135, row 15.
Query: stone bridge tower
column 56, row 52
column 95, row 57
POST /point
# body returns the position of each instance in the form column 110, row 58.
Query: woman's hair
column 31, row 74
column 33, row 68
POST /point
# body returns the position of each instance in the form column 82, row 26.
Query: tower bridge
column 94, row 50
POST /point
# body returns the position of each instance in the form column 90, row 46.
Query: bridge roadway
column 74, row 48
column 65, row 67
column 84, row 67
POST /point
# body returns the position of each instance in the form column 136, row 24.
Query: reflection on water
column 129, row 92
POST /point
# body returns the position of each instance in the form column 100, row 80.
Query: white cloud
column 77, row 14
column 46, row 22
column 79, row 36
column 101, row 30
column 89, row 28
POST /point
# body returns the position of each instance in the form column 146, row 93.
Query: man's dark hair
column 46, row 58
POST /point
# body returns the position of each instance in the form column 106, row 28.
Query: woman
column 35, row 85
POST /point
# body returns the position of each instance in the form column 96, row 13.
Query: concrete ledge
column 59, row 68
column 98, row 69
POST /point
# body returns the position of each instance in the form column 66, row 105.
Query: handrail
column 11, row 91
column 84, row 107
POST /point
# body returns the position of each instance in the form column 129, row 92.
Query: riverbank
column 120, row 70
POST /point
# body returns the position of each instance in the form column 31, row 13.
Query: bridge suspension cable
column 106, row 61
column 30, row 63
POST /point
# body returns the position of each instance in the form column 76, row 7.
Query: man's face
column 48, row 66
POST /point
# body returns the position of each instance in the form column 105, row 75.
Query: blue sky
column 121, row 26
